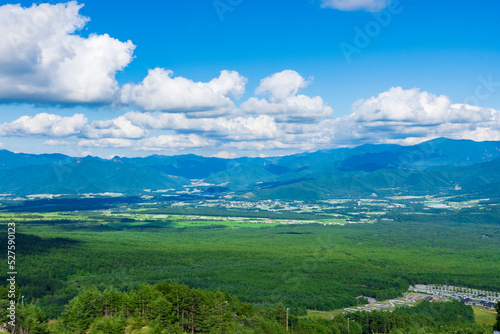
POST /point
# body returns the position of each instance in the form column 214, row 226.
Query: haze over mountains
column 440, row 165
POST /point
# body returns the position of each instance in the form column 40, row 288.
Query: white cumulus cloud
column 43, row 60
column 44, row 124
column 411, row 116
column 119, row 127
column 162, row 142
column 283, row 102
column 156, row 143
column 402, row 105
column 236, row 128
column 282, row 85
column 106, row 142
column 161, row 91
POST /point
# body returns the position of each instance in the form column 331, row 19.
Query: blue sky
column 426, row 69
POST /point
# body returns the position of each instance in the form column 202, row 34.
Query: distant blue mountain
column 9, row 160
column 434, row 166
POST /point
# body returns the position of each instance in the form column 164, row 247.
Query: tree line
column 175, row 308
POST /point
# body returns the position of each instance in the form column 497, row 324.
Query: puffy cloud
column 283, row 102
column 44, row 125
column 160, row 91
column 399, row 107
column 396, row 116
column 294, row 108
column 119, row 127
column 350, row 5
column 237, row 128
column 158, row 143
column 173, row 142
column 43, row 60
column 163, row 121
column 402, row 105
column 282, row 85
column 106, row 142
column 242, row 133
column 411, row 116
column 241, row 128
column 229, row 83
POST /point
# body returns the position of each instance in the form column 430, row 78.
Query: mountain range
column 437, row 166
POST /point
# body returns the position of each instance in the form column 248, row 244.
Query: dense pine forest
column 87, row 276
column 304, row 266
column 159, row 268
column 175, row 308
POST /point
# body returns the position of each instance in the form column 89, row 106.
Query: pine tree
column 497, row 325
column 83, row 309
column 30, row 319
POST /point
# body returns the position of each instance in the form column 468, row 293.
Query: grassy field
column 485, row 316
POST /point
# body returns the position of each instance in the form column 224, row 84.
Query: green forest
column 259, row 270
column 175, row 308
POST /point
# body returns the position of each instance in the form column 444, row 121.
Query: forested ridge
column 430, row 167
column 175, row 308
